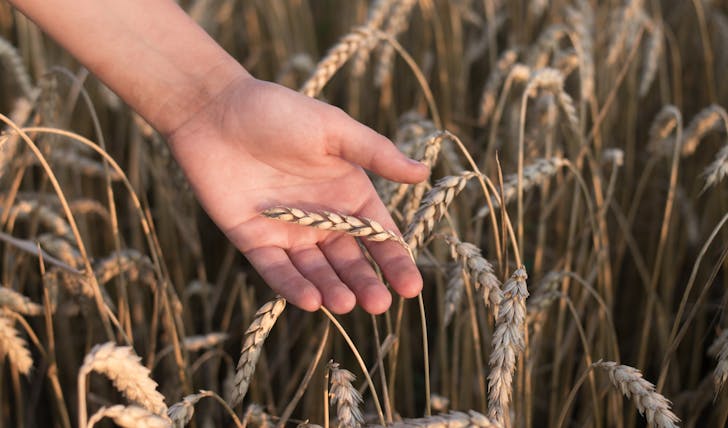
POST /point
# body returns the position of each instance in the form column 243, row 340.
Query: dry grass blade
column 355, row 226
column 453, row 419
column 12, row 346
column 335, row 58
column 19, row 303
column 719, row 351
column 508, row 342
column 433, row 207
column 122, row 366
column 129, row 417
column 255, row 335
column 344, row 397
column 651, row 404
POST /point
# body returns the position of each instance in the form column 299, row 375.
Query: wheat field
column 572, row 236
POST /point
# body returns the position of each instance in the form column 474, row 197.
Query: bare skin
column 246, row 145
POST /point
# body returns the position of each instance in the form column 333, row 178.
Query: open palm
column 259, row 145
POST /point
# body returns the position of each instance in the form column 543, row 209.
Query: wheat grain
column 471, row 419
column 19, row 303
column 344, row 397
column 255, row 335
column 335, row 58
column 650, row 403
column 719, row 351
column 129, row 417
column 13, row 347
column 359, row 227
column 433, row 207
column 508, row 342
column 122, row 366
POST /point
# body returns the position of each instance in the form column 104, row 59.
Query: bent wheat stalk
column 130, row 417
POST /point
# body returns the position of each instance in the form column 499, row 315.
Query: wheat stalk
column 122, row 366
column 508, row 342
column 719, row 351
column 255, row 335
column 19, row 303
column 359, row 227
column 344, row 397
column 12, row 346
column 129, row 417
column 335, row 58
column 650, row 403
column 433, row 207
column 471, row 419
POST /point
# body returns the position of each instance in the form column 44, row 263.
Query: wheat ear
column 651, row 404
column 508, row 342
column 10, row 57
column 129, row 417
column 471, row 419
column 719, row 351
column 181, row 412
column 495, row 79
column 377, row 15
column 705, row 121
column 19, row 303
column 12, row 346
column 398, row 23
column 581, row 20
column 717, row 170
column 122, row 366
column 433, row 207
column 344, row 397
column 652, row 56
column 453, row 293
column 359, row 227
column 335, row 58
column 480, row 271
column 533, row 175
column 255, row 335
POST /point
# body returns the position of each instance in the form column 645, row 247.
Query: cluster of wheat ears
column 572, row 236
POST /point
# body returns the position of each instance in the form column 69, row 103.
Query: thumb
column 363, row 146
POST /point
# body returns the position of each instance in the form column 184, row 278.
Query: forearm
column 148, row 51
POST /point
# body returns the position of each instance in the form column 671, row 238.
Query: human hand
column 258, row 145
